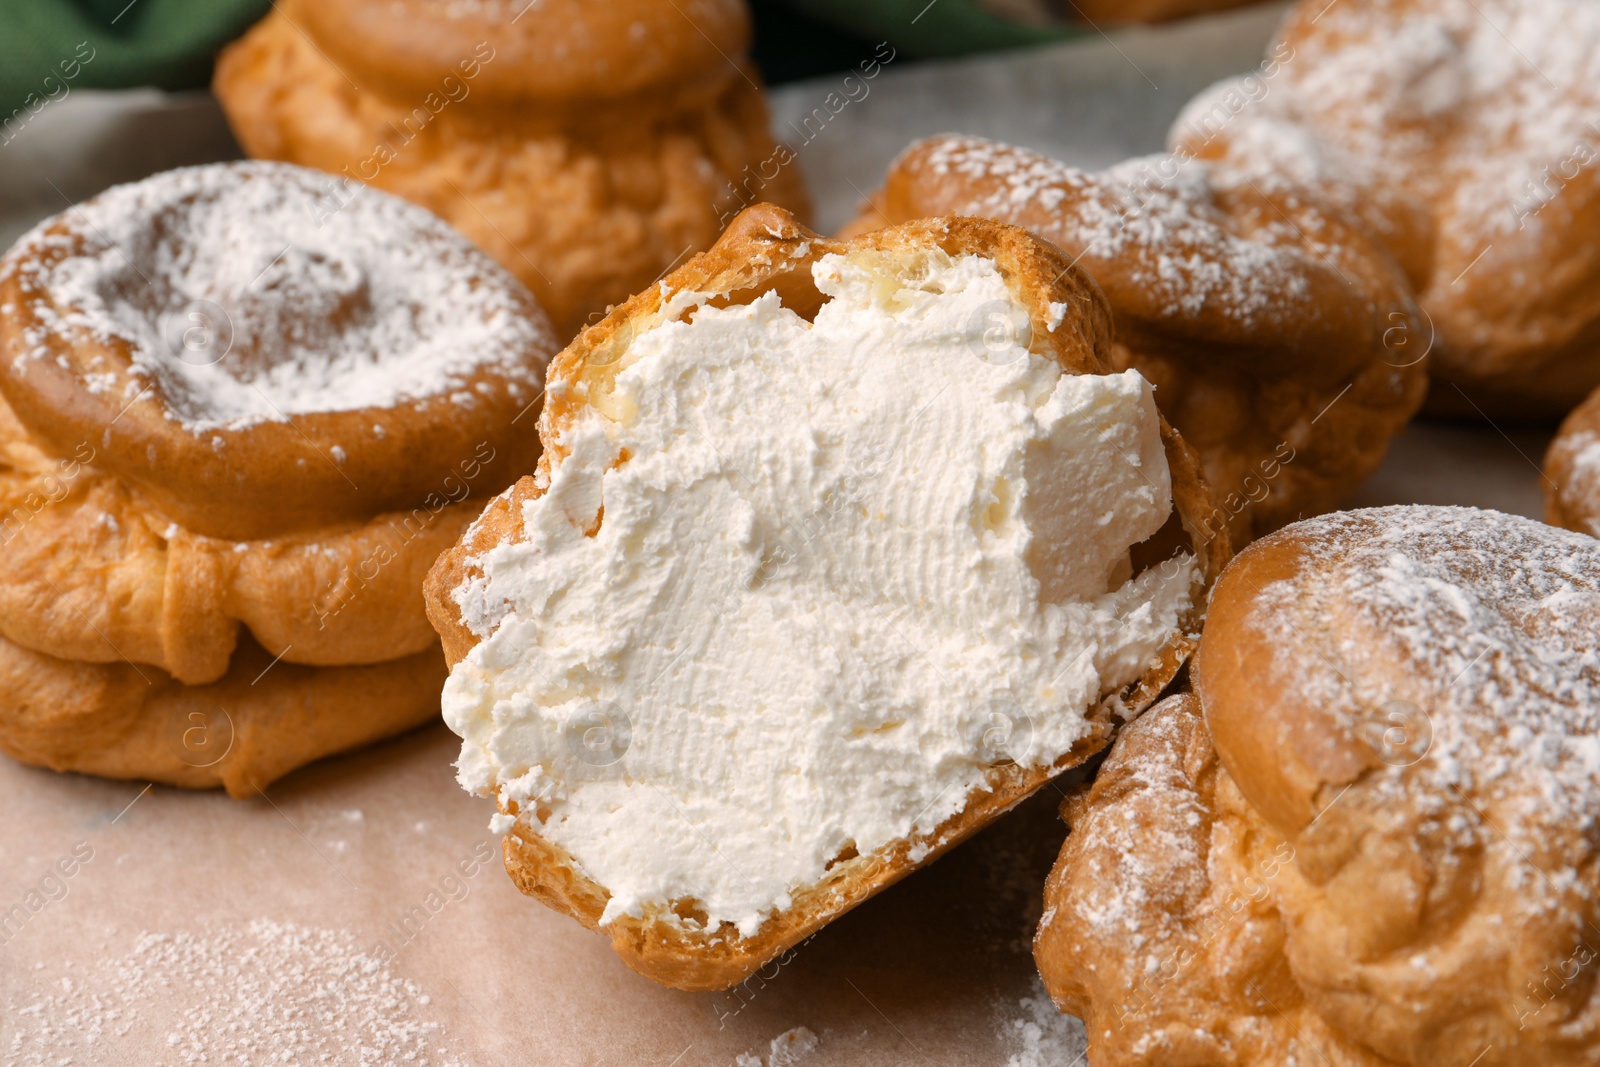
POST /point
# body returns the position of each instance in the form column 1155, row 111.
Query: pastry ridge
column 250, row 727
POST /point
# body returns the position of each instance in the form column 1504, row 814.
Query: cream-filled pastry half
column 833, row 561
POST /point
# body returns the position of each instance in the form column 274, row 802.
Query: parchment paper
column 347, row 913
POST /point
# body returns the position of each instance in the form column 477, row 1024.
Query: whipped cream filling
column 808, row 583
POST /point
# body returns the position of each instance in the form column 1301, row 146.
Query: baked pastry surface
column 763, row 252
column 1280, row 335
column 1159, row 932
column 1464, row 131
column 253, row 725
column 255, row 369
column 1377, row 845
column 589, row 147
column 219, row 412
column 1572, row 471
column 94, row 571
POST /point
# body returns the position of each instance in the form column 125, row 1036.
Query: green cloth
column 50, row 47
column 940, row 28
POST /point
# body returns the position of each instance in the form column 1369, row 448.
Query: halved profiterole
column 836, row 552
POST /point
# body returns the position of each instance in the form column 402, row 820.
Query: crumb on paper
column 786, row 1050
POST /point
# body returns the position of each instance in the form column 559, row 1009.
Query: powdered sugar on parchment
column 267, row 993
column 1035, row 1033
column 250, row 292
column 792, row 1047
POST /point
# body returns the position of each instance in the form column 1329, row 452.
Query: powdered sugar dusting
column 1490, row 628
column 1037, row 1034
column 1149, row 854
column 1467, row 104
column 1156, row 225
column 267, row 993
column 242, row 293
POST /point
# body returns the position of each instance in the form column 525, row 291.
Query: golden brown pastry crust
column 572, row 53
column 116, row 511
column 1380, row 842
column 587, row 178
column 75, row 385
column 1469, row 126
column 143, row 520
column 1572, row 471
column 92, row 571
column 1280, row 335
column 257, row 723
column 764, row 249
column 1160, row 931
